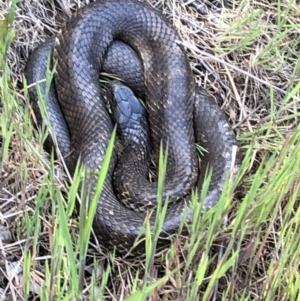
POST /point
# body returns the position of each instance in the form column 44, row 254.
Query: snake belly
column 178, row 111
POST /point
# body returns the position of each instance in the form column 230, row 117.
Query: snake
column 138, row 43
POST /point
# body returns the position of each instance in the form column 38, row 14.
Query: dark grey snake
column 154, row 65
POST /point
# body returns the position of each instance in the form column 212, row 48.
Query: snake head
column 128, row 112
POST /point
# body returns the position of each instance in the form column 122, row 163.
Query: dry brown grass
column 235, row 52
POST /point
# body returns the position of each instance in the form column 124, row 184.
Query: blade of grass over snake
column 88, row 207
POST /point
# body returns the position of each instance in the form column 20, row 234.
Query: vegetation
column 246, row 248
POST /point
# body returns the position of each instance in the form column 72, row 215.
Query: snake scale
column 134, row 41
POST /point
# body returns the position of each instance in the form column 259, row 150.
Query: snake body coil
column 179, row 113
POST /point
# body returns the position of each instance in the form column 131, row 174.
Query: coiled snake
column 179, row 113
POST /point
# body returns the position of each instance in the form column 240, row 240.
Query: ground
column 246, row 53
